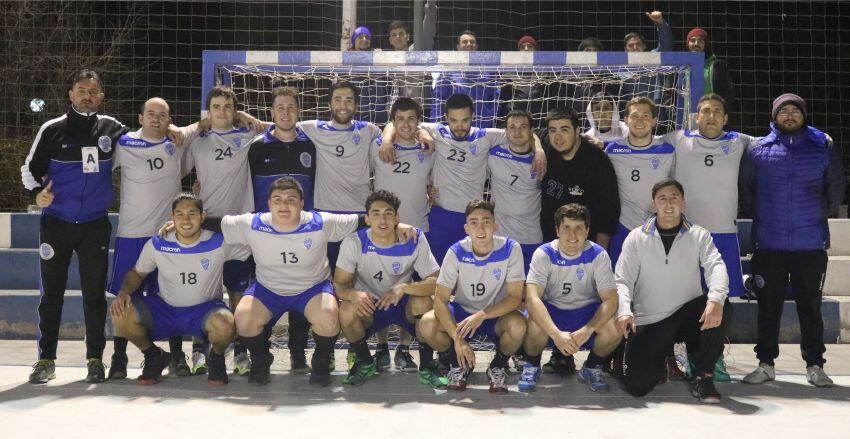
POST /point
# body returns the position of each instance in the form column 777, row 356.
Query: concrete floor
column 395, row 404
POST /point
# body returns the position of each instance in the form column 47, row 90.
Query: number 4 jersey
column 478, row 282
column 189, row 274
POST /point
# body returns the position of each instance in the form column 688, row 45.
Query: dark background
column 145, row 49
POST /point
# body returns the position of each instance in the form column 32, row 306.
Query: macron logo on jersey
column 169, row 249
column 135, row 143
column 265, row 229
column 467, row 259
column 621, row 150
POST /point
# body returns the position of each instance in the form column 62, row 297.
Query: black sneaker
column 178, row 365
column 443, row 362
column 117, row 367
column 320, row 378
column 96, row 371
column 298, row 364
column 261, row 368
column 703, row 389
column 153, row 366
column 560, row 364
column 43, row 371
column 216, row 370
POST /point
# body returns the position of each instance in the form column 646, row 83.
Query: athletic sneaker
column 350, row 358
column 457, row 378
column 529, row 378
column 199, row 363
column 431, row 376
column 519, row 362
column 817, row 377
column 241, row 364
column 261, row 365
column 382, row 359
column 404, row 361
column 217, row 375
column 703, row 389
column 594, row 378
column 153, row 366
column 360, row 372
column 320, row 379
column 178, row 366
column 561, row 365
column 298, row 364
column 763, row 373
column 117, row 367
column 674, row 373
column 497, row 377
column 721, row 375
column 96, row 371
column 43, row 371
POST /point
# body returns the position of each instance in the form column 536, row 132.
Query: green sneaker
column 431, row 376
column 350, row 358
column 360, row 373
column 720, row 372
column 43, row 371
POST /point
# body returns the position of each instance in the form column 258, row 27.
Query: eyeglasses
column 791, row 112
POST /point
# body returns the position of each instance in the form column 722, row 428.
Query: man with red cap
column 790, row 183
column 526, row 44
column 716, row 76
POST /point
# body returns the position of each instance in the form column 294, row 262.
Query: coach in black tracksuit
column 69, row 173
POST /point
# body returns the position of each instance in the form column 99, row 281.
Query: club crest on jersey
column 421, row 157
column 205, row 264
column 725, row 148
column 533, row 175
column 46, row 252
column 356, row 138
column 308, row 243
column 104, row 143
column 655, row 162
column 497, row 273
column 576, row 190
column 237, row 143
column 580, row 273
column 169, row 148
column 473, row 149
column 396, row 267
column 306, row 160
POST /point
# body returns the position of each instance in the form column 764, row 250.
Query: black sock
column 151, row 351
column 594, row 361
column 175, row 343
column 384, row 347
column 239, row 348
column 520, row 353
column 402, row 348
column 198, row 346
column 451, row 356
column 534, row 360
column 426, row 355
column 120, row 344
column 257, row 345
column 557, row 355
column 322, row 354
column 500, row 360
column 361, row 350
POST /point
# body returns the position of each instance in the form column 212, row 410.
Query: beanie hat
column 697, row 32
column 362, row 30
column 528, row 39
column 788, row 98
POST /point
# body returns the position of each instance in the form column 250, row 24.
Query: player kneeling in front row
column 485, row 274
column 571, row 298
column 190, row 261
column 373, row 283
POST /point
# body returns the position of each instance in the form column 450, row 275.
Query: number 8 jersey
column 478, row 282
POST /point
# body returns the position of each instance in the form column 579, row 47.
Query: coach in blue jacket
column 790, row 183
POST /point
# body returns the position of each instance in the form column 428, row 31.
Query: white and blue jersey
column 571, row 282
column 269, row 158
column 407, row 177
column 516, row 191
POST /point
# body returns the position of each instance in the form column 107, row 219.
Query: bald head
column 155, row 119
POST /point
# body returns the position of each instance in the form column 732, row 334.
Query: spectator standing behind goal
column 524, row 90
column 716, row 77
column 68, row 172
column 373, row 96
column 650, row 86
column 791, row 182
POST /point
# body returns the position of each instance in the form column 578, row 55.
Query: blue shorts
column 487, row 330
column 730, row 251
column 394, row 315
column 164, row 320
column 124, row 257
column 278, row 304
column 333, row 247
column 446, row 229
column 238, row 274
column 615, row 247
column 527, row 253
column 571, row 320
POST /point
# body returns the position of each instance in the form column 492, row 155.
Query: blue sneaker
column 529, row 378
column 594, row 378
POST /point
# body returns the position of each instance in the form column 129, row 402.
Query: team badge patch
column 356, row 138
column 655, row 162
column 580, row 273
column 205, row 264
column 306, row 160
column 104, row 143
column 473, row 149
column 237, row 143
column 396, row 267
column 421, row 157
column 497, row 273
column 533, row 175
column 725, row 148
column 169, row 148
column 308, row 243
column 46, row 252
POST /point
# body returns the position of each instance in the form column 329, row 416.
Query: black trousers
column 649, row 347
column 806, row 270
column 59, row 239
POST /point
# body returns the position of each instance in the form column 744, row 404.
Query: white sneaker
column 242, row 364
column 199, row 363
column 817, row 377
column 762, row 374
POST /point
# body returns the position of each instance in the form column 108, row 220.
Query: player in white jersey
column 220, row 159
column 485, row 275
column 640, row 160
column 460, row 167
column 707, row 164
column 150, row 179
column 290, row 250
column 514, row 185
column 373, row 280
column 189, row 264
column 571, row 299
